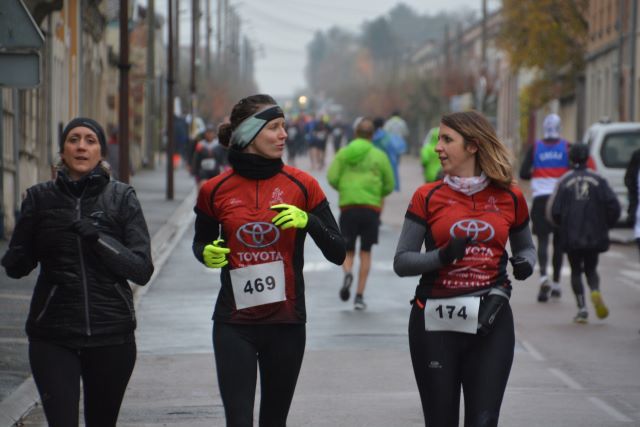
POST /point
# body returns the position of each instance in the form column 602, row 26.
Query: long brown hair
column 494, row 159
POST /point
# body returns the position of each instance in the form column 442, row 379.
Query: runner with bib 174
column 461, row 326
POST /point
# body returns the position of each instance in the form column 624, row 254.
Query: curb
column 25, row 397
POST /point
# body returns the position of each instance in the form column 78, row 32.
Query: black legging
column 443, row 362
column 278, row 350
column 105, row 373
column 556, row 257
column 584, row 261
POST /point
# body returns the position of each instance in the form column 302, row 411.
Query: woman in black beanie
column 90, row 237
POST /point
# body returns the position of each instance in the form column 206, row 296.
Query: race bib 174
column 452, row 314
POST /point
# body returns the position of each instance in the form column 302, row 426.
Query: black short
column 539, row 222
column 360, row 222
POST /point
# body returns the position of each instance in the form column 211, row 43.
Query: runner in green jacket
column 362, row 175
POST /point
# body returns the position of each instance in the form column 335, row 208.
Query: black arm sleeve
column 409, row 260
column 131, row 258
column 527, row 164
column 19, row 259
column 325, row 233
column 522, row 245
column 207, row 230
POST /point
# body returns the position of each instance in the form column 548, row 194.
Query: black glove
column 454, row 250
column 17, row 262
column 86, row 230
column 521, row 267
column 489, row 308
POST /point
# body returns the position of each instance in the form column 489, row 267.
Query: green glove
column 289, row 216
column 214, row 255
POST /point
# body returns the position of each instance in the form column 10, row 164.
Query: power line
column 324, row 6
column 279, row 19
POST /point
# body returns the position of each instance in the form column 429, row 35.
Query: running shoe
column 601, row 310
column 543, row 295
column 346, row 284
column 359, row 303
column 556, row 291
column 582, row 316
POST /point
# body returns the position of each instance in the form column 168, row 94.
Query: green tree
column 549, row 36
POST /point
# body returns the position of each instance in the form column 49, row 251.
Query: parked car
column 610, row 147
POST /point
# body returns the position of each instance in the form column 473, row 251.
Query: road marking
column 20, row 297
column 570, row 382
column 614, row 254
column 532, row 351
column 317, row 266
column 14, row 341
column 326, row 266
column 631, row 284
column 631, row 278
column 614, row 413
column 632, row 274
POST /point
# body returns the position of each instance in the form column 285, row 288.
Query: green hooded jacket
column 361, row 173
column 430, row 162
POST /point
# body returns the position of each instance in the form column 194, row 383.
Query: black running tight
column 584, row 262
column 277, row 350
column 105, row 373
column 446, row 362
column 556, row 257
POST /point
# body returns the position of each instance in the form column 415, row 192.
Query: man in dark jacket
column 631, row 181
column 584, row 207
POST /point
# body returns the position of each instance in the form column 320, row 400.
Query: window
column 617, row 148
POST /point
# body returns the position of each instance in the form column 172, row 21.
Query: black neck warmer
column 253, row 166
column 92, row 181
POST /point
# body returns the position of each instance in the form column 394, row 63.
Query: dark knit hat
column 88, row 123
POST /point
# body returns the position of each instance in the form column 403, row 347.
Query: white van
column 610, row 147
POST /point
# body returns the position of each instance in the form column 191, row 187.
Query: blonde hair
column 494, row 159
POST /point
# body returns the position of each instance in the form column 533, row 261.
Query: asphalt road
column 357, row 370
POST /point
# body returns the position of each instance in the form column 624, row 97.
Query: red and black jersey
column 487, row 217
column 241, row 206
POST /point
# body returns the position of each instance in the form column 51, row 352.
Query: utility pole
column 123, row 137
column 482, row 81
column 226, row 37
column 208, row 44
column 170, row 82
column 195, row 19
column 149, row 94
column 176, row 32
column 219, row 32
column 633, row 27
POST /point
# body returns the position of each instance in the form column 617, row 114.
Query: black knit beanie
column 88, row 123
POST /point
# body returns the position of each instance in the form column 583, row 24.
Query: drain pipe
column 2, row 219
column 632, row 60
column 16, row 151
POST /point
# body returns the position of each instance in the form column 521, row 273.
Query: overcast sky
column 281, row 29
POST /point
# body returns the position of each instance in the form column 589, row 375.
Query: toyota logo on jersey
column 258, row 234
column 479, row 231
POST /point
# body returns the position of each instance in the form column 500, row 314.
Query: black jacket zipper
column 85, row 286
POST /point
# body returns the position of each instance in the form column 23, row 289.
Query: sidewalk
column 165, row 219
column 357, row 369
